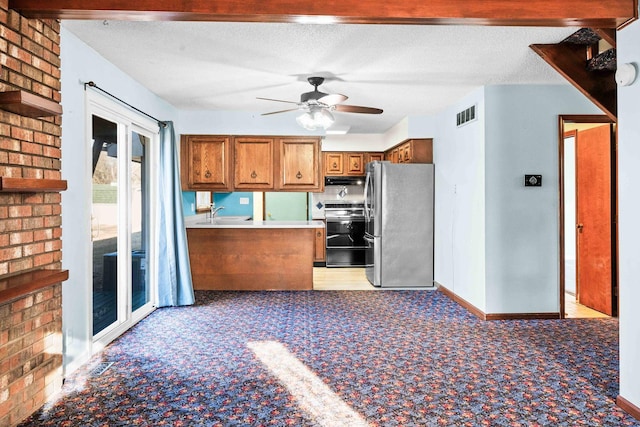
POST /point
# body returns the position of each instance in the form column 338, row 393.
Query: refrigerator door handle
column 366, row 197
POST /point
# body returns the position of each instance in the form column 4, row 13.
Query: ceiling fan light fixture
column 315, row 118
column 317, row 107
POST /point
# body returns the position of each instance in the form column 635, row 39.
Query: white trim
column 128, row 122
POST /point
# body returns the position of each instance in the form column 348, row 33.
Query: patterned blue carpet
column 387, row 358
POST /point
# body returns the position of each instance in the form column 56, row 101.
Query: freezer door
column 372, row 259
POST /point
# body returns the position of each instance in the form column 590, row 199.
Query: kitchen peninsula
column 251, row 255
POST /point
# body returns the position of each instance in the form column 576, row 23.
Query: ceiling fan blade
column 356, row 109
column 281, row 111
column 333, row 99
column 277, row 100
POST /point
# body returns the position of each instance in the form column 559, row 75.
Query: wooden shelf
column 28, row 105
column 31, row 185
column 21, row 284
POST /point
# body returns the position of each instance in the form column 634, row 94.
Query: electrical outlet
column 244, row 200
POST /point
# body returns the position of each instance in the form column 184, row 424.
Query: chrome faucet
column 215, row 210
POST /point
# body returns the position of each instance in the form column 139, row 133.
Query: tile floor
column 355, row 279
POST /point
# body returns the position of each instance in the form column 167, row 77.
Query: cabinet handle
column 207, row 174
column 335, row 165
column 254, row 174
column 319, row 234
column 299, row 175
column 355, row 165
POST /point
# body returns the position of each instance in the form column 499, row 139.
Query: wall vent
column 466, row 116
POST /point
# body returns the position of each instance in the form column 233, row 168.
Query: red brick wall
column 31, row 325
column 31, row 353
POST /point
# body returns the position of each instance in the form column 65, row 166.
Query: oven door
column 345, row 242
column 345, row 233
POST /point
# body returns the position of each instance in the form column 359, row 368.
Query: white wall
column 239, row 123
column 628, row 41
column 522, row 252
column 496, row 241
column 421, row 126
column 81, row 64
column 355, row 142
column 459, row 259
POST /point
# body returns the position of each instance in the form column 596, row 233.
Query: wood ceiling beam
column 583, row 13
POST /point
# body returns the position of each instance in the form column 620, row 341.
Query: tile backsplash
column 335, row 192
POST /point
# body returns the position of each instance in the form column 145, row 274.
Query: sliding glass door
column 140, row 292
column 121, row 222
column 104, row 223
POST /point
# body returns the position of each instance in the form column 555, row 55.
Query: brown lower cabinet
column 249, row 259
column 320, row 249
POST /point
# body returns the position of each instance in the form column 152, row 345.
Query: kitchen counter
column 251, row 255
column 221, row 222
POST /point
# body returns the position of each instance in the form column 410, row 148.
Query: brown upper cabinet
column 299, row 164
column 355, row 164
column 205, row 162
column 333, row 164
column 250, row 163
column 348, row 163
column 253, row 162
column 373, row 157
column 411, row 151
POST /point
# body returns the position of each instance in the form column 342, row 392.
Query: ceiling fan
column 317, row 106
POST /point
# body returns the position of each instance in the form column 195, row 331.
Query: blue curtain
column 174, row 273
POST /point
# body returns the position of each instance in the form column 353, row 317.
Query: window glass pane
column 104, row 223
column 140, row 294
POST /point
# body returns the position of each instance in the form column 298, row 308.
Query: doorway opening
column 588, row 212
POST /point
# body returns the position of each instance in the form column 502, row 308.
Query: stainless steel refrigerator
column 399, row 224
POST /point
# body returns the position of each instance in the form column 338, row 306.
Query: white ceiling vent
column 466, row 116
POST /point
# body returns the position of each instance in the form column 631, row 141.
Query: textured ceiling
column 405, row 70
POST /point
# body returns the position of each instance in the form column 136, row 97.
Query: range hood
column 344, row 180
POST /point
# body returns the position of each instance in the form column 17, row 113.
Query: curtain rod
column 93, row 85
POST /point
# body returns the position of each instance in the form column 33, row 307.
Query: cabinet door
column 253, row 163
column 373, row 157
column 299, row 164
column 395, row 156
column 355, row 164
column 388, row 155
column 421, row 150
column 320, row 245
column 333, row 164
column 406, row 152
column 205, row 163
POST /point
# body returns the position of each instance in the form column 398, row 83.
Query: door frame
column 128, row 122
column 585, row 118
